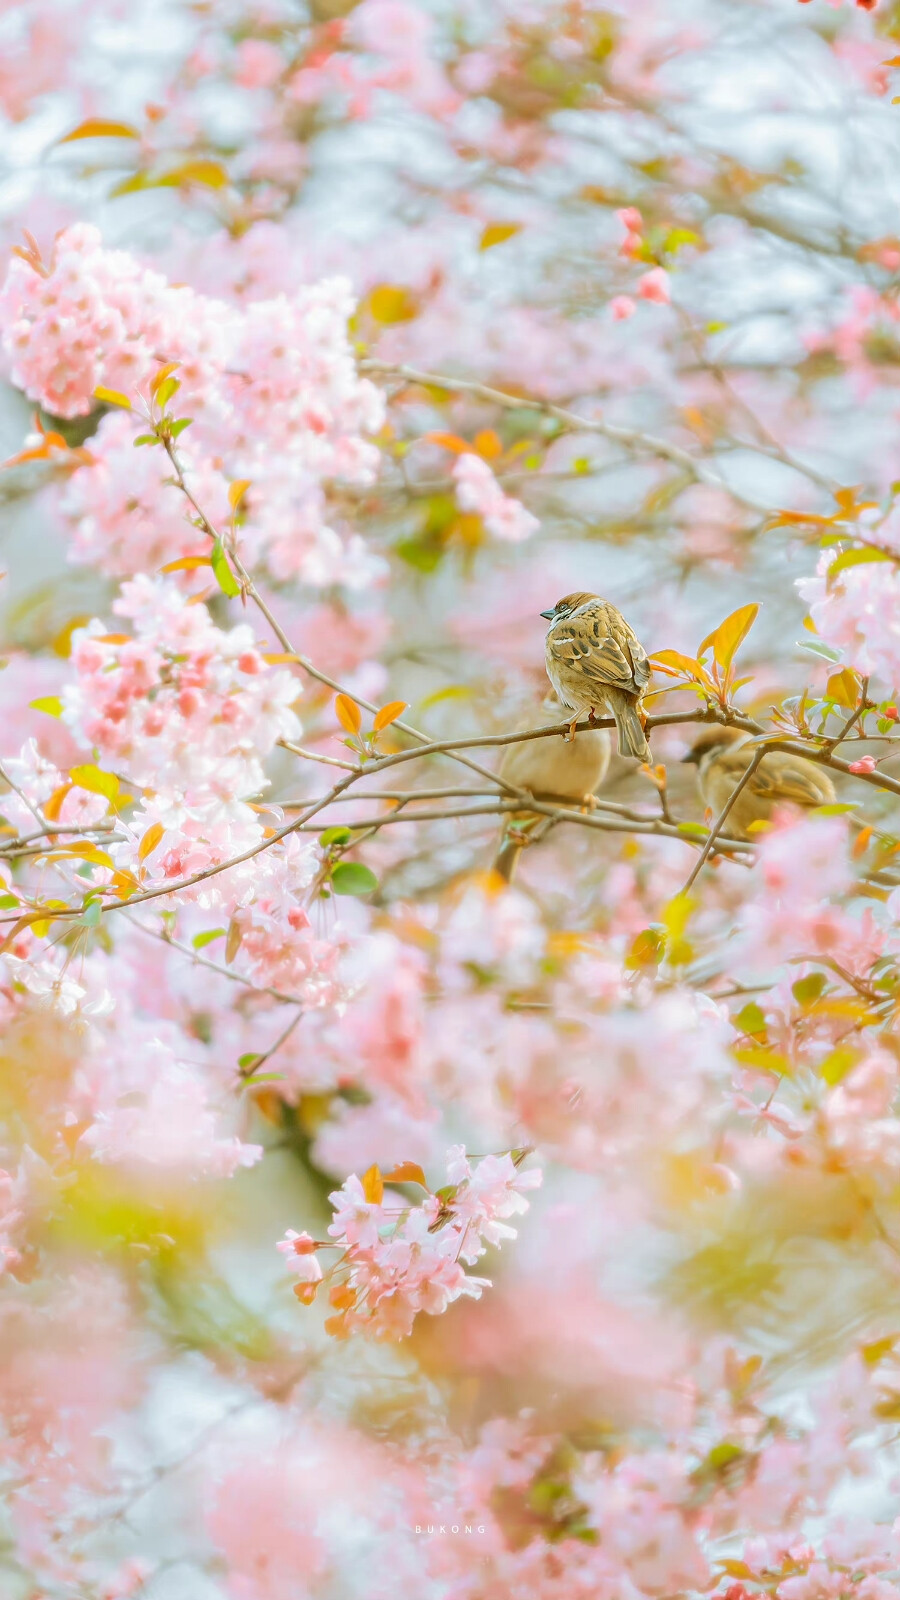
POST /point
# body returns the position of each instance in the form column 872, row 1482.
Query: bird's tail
column 632, row 738
column 507, row 859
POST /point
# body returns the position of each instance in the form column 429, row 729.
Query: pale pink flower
column 478, row 490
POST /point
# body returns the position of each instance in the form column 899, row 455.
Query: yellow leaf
column 160, row 377
column 95, row 781
column 497, row 233
column 407, row 1172
column 673, row 662
column 32, row 918
column 388, row 714
column 233, row 942
column 279, row 658
column 373, row 1186
column 113, row 638
column 150, row 840
column 843, row 687
column 113, row 397
column 84, row 852
column 236, row 492
column 729, row 635
column 186, row 564
column 488, row 444
column 99, row 128
column 209, row 173
column 348, row 713
column 392, row 302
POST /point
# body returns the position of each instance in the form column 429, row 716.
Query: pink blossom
column 654, row 285
column 478, row 490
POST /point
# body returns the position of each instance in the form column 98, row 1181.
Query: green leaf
column 335, row 836
column 855, row 558
column 249, row 1060
column 351, row 877
column 262, row 1077
column 146, row 438
column 751, row 1018
column 50, row 703
column 200, row 940
column 93, row 911
column 836, row 1065
column 8, row 902
column 224, row 576
column 178, row 427
column 808, row 989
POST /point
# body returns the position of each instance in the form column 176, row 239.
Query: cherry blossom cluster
column 397, row 1260
column 269, row 388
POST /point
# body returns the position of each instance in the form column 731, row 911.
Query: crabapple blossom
column 326, row 372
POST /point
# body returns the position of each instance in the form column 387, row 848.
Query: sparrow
column 557, row 772
column 595, row 659
column 722, row 756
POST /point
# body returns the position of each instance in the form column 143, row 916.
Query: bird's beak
column 549, row 615
column 692, row 759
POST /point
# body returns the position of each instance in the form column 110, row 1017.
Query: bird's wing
column 780, row 777
column 586, row 643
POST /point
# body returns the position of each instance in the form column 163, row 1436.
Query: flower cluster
column 269, row 388
column 398, row 1260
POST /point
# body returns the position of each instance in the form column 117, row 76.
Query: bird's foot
column 571, row 733
column 592, row 717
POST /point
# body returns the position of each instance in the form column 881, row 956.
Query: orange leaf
column 99, row 128
column 373, row 1186
column 861, row 843
column 236, row 492
column 729, row 635
column 51, row 808
column 160, row 377
column 348, row 713
column 186, row 564
column 488, row 444
column 113, row 638
column 233, row 942
column 389, row 714
column 407, row 1172
column 150, row 840
column 450, row 441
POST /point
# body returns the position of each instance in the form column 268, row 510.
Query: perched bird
column 553, row 770
column 722, row 756
column 595, row 660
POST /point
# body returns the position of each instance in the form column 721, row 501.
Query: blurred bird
column 722, row 756
column 595, row 660
column 553, row 770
